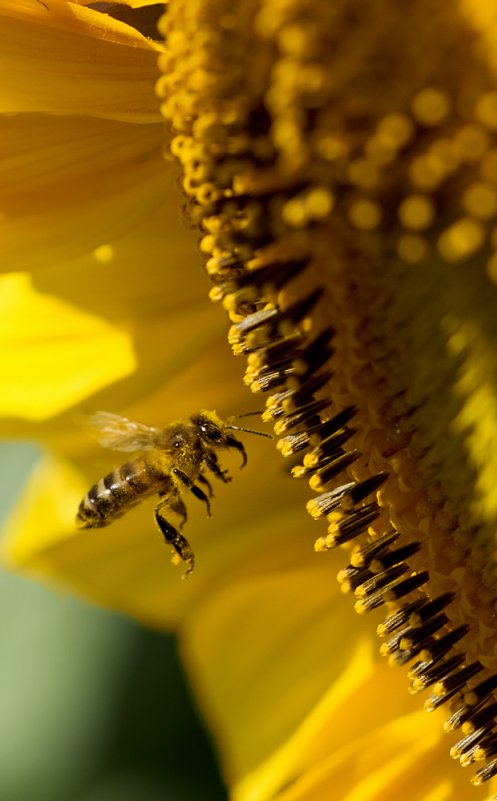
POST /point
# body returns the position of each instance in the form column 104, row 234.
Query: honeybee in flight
column 175, row 456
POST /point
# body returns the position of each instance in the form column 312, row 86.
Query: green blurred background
column 93, row 707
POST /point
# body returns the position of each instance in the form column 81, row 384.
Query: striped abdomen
column 118, row 492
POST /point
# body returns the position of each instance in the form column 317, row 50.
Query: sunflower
column 339, row 167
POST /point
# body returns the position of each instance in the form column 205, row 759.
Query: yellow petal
column 400, row 759
column 54, row 354
column 105, row 301
column 131, row 3
column 46, row 509
column 70, row 185
column 62, row 58
column 287, row 630
column 303, row 711
column 299, row 707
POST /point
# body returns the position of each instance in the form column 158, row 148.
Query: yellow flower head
column 344, row 182
column 339, row 162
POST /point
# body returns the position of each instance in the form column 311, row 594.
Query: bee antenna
column 244, row 414
column 250, row 430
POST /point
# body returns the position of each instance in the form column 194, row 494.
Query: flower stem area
column 93, row 706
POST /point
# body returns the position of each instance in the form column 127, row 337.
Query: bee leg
column 233, row 442
column 175, row 502
column 200, row 494
column 202, row 479
column 211, row 460
column 172, row 537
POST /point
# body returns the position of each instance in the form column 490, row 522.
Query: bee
column 173, row 457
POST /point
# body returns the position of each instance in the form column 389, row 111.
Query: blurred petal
column 63, row 325
column 126, row 565
column 54, row 355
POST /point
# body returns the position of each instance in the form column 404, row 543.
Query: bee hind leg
column 174, row 501
column 203, row 480
column 173, row 537
column 199, row 493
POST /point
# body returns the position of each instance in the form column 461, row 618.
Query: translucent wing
column 121, row 434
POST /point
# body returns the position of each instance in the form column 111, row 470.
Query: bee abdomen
column 115, row 494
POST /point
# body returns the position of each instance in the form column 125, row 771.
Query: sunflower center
column 350, row 234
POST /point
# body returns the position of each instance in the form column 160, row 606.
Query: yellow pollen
column 207, row 193
column 444, row 155
column 297, row 40
column 215, row 294
column 416, row 212
column 323, row 544
column 431, row 106
column 486, row 110
column 492, row 268
column 411, row 248
column 425, row 173
column 207, row 243
column 228, row 21
column 314, row 79
column 395, row 130
column 313, row 205
column 488, row 166
column 330, row 147
column 480, row 200
column 363, row 173
column 365, row 214
column 178, row 145
column 379, row 151
column 471, row 142
column 319, row 203
column 461, row 239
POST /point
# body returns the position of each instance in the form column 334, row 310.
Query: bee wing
column 120, row 434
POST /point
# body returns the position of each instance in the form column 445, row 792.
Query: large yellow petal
column 301, row 710
column 61, row 58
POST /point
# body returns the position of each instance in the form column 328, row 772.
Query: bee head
column 214, row 431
